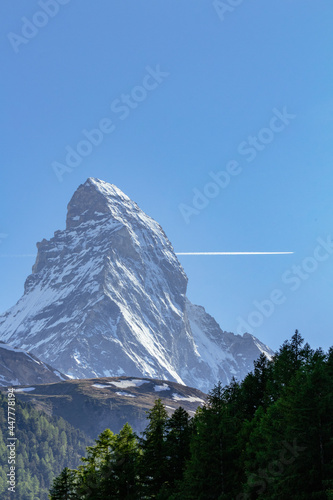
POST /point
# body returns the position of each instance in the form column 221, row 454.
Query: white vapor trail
column 233, row 253
column 184, row 253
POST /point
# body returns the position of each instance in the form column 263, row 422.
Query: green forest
column 268, row 437
column 45, row 445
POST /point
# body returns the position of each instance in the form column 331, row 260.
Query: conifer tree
column 64, row 486
column 90, row 480
column 153, row 464
column 177, row 445
column 254, row 388
column 211, row 472
column 287, row 361
column 119, row 473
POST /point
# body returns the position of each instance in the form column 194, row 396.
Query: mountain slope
column 107, row 297
column 109, row 402
column 18, row 367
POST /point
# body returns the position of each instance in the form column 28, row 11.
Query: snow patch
column 190, row 399
column 159, row 388
column 122, row 393
column 58, row 374
column 124, row 384
column 138, row 382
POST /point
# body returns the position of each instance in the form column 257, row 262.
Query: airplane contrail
column 185, row 253
column 233, row 253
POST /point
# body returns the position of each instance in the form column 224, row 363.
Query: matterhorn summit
column 107, row 297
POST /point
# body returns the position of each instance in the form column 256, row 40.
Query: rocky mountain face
column 108, row 403
column 107, row 297
column 18, row 367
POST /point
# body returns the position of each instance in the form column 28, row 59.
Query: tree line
column 268, row 437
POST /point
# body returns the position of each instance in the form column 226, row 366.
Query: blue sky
column 221, row 113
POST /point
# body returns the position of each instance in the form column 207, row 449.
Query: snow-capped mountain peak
column 107, row 297
column 96, row 198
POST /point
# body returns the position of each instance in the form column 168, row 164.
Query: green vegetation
column 44, row 446
column 269, row 437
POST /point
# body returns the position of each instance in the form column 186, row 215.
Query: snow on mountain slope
column 227, row 354
column 107, row 297
column 108, row 403
column 18, row 367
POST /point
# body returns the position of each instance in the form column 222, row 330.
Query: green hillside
column 44, row 446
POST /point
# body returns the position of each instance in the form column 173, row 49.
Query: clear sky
column 215, row 117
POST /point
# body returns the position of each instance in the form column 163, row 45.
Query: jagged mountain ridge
column 107, row 297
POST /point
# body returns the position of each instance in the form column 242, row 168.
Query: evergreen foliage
column 63, row 486
column 153, row 462
column 268, row 437
column 44, row 446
